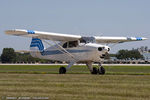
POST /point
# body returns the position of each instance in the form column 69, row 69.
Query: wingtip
column 144, row 38
column 15, row 32
column 140, row 38
column 9, row 31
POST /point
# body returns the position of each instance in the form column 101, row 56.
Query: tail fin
column 36, row 45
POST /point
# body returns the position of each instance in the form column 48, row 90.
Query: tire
column 94, row 70
column 62, row 70
column 101, row 70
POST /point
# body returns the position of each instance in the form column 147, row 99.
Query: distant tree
column 8, row 55
column 135, row 54
column 129, row 54
column 122, row 54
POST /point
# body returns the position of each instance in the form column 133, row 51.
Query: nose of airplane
column 107, row 48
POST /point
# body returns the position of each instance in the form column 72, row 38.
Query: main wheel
column 101, row 70
column 94, row 70
column 62, row 70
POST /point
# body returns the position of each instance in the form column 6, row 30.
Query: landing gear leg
column 62, row 70
column 92, row 69
column 101, row 70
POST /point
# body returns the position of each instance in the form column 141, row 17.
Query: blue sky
column 82, row 17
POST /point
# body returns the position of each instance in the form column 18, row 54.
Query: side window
column 73, row 44
column 82, row 41
column 65, row 45
column 70, row 44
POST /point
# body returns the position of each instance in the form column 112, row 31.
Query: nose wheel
column 95, row 71
column 101, row 70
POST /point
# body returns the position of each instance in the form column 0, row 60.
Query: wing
column 67, row 37
column 117, row 39
column 43, row 35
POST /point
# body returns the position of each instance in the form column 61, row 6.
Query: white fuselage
column 82, row 53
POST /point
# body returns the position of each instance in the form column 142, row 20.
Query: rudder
column 36, row 44
column 36, row 47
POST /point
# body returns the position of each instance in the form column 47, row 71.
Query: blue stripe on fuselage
column 55, row 52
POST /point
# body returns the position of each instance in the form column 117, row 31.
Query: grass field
column 119, row 83
column 80, row 69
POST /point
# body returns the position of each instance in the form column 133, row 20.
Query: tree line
column 133, row 54
column 10, row 56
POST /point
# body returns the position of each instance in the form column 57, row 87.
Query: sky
column 82, row 17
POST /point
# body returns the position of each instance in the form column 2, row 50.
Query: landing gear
column 62, row 70
column 95, row 71
column 101, row 70
column 92, row 69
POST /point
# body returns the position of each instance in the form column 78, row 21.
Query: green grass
column 76, row 86
column 80, row 69
column 119, row 83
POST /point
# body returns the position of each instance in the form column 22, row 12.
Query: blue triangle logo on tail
column 36, row 42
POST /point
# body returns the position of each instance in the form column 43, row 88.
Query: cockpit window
column 73, row 44
column 87, row 40
column 70, row 44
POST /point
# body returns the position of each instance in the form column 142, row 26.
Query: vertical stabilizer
column 36, row 47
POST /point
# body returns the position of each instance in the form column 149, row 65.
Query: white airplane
column 71, row 48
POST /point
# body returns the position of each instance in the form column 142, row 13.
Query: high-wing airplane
column 71, row 48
